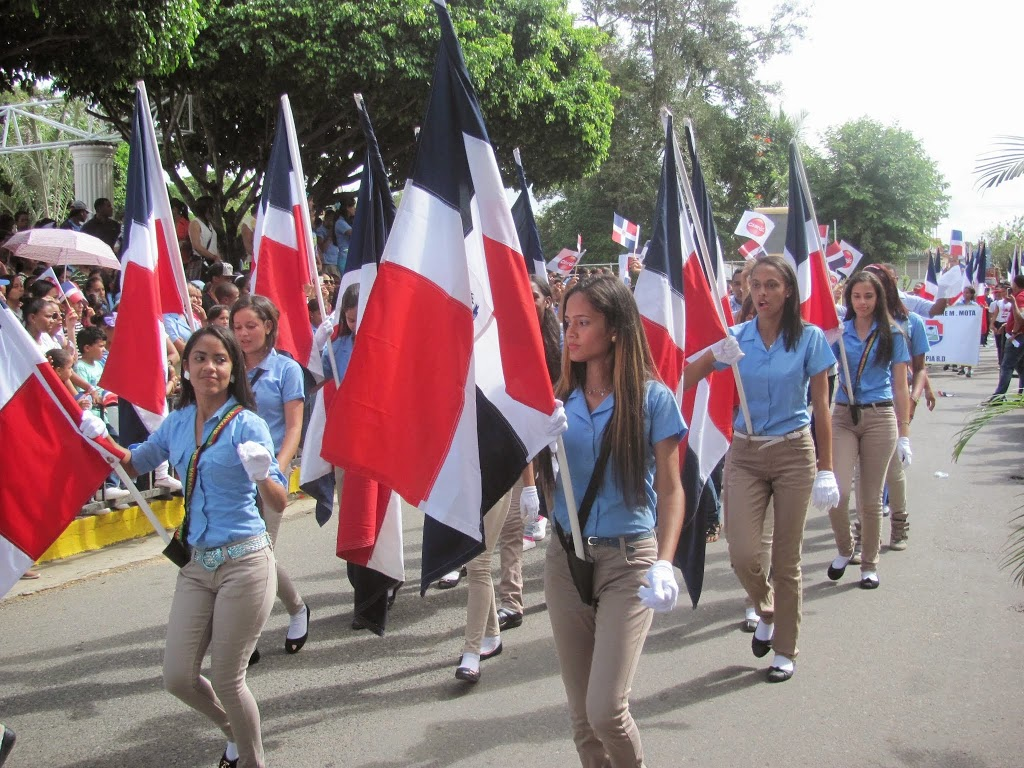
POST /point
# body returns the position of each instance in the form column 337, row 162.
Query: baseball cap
column 222, row 269
column 78, row 205
column 198, row 284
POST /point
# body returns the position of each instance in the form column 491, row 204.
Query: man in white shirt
column 999, row 313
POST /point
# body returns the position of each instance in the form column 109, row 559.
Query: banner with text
column 955, row 336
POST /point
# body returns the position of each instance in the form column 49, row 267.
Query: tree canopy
column 881, row 186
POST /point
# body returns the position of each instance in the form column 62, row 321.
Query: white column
column 94, row 171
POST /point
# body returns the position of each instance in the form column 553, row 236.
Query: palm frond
column 1002, row 164
column 985, row 413
column 1015, row 556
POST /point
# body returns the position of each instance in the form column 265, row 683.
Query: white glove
column 529, row 505
column 663, row 591
column 727, row 350
column 558, row 422
column 825, row 493
column 256, row 460
column 903, row 451
column 323, row 334
column 92, row 426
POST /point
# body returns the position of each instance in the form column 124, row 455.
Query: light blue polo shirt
column 611, row 516
column 223, row 507
column 177, row 327
column 775, row 380
column 280, row 383
column 343, row 346
column 915, row 329
column 876, row 381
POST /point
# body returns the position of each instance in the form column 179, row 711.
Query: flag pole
column 703, row 250
column 570, row 500
column 141, row 501
column 806, row 190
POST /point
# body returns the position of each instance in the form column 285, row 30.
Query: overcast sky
column 948, row 73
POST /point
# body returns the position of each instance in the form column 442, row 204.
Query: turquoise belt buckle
column 212, row 559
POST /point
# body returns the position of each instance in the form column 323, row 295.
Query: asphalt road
column 925, row 671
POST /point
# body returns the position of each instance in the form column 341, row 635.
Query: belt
column 770, row 440
column 879, row 404
column 617, row 541
column 213, row 558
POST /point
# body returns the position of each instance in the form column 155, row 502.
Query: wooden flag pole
column 704, row 252
column 570, row 500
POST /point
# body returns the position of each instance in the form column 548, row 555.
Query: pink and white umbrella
column 62, row 247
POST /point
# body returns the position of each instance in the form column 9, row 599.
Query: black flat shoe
column 777, row 675
column 509, row 619
column 866, row 583
column 6, row 743
column 294, row 646
column 467, row 674
column 255, row 658
column 359, row 623
column 760, row 647
column 446, row 583
column 836, row 573
column 225, row 763
column 496, row 652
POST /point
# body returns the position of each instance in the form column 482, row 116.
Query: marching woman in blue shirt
column 224, row 594
column 612, row 397
column 777, row 355
column 869, row 423
column 276, row 383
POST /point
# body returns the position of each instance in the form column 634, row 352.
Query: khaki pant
column 599, row 648
column 223, row 611
column 481, row 609
column 285, row 588
column 510, row 545
column 781, row 473
column 896, row 485
column 871, row 444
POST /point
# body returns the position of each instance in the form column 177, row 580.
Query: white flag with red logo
column 755, row 226
column 564, row 262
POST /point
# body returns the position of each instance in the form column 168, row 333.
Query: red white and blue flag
column 52, row 469
column 625, row 232
column 283, row 259
column 152, row 278
column 526, row 225
column 678, row 313
column 451, row 302
column 751, row 249
column 803, row 253
column 956, row 244
column 931, row 280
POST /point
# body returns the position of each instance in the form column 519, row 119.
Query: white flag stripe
column 388, row 556
column 662, row 305
column 492, row 202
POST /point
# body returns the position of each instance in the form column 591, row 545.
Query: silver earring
column 232, row 379
column 186, row 376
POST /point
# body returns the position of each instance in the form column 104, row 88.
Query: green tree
column 881, row 186
column 1002, row 239
column 84, row 47
column 700, row 60
column 540, row 79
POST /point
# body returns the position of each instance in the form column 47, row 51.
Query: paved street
column 925, row 671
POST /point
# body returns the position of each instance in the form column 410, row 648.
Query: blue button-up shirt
column 775, row 379
column 343, row 346
column 876, row 381
column 280, row 383
column 223, row 507
column 177, row 327
column 611, row 515
column 915, row 329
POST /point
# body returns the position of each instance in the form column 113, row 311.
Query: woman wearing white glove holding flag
column 777, row 355
column 619, row 415
column 224, row 594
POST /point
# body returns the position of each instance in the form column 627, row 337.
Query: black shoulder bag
column 583, row 570
column 178, row 551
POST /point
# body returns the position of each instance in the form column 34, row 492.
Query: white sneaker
column 114, row 494
column 537, row 531
column 169, row 483
column 528, row 544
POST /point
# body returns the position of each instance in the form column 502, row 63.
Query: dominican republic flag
column 52, row 469
column 283, row 260
column 751, row 249
column 452, row 303
column 842, row 258
column 565, row 261
column 755, row 226
column 49, row 276
column 956, row 244
column 803, row 254
column 980, row 269
column 951, row 283
column 1014, row 268
column 823, row 232
column 625, row 232
column 152, row 278
column 72, row 293
column 679, row 317
column 931, row 280
column 706, row 220
column 369, row 515
column 526, row 225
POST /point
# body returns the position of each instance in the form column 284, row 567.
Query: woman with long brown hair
column 622, row 418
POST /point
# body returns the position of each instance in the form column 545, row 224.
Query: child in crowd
column 218, row 314
column 92, row 343
column 62, row 365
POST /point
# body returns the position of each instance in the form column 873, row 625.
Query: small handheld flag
column 625, row 232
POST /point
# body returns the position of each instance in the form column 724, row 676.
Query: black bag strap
column 868, row 346
column 256, row 376
column 596, row 478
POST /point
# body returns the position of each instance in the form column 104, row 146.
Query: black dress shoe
column 6, row 743
column 294, row 646
column 777, row 675
column 359, row 623
column 760, row 647
column 836, row 573
column 866, row 583
column 225, row 763
column 255, row 658
column 496, row 652
column 509, row 619
column 467, row 674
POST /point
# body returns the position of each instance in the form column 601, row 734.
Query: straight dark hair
column 550, row 333
column 239, row 388
column 349, row 300
column 887, row 277
column 264, row 309
column 881, row 316
column 792, row 323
